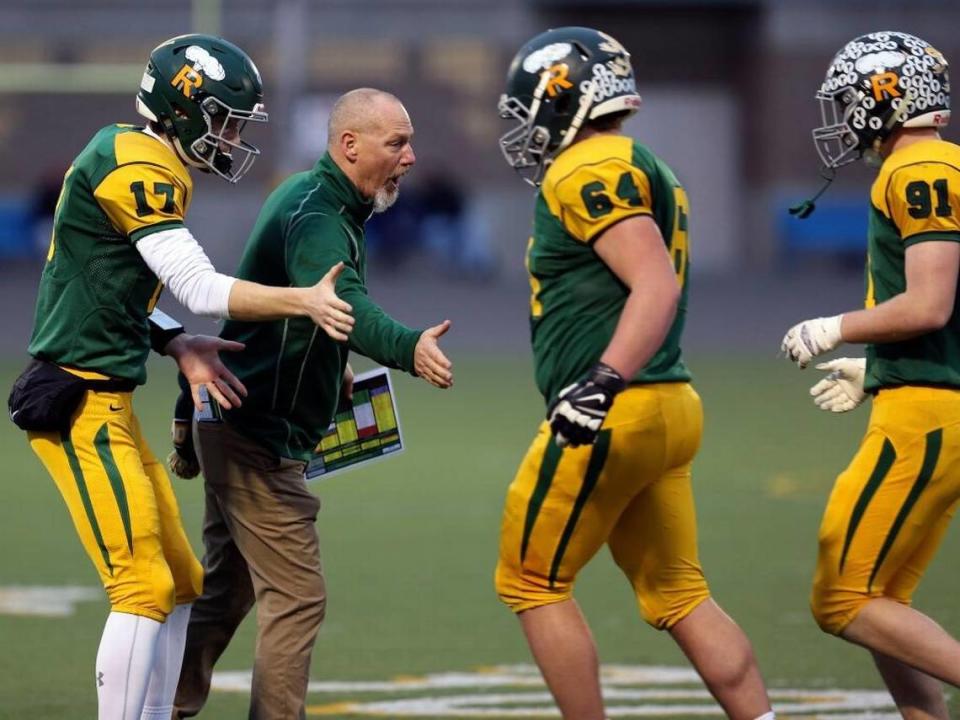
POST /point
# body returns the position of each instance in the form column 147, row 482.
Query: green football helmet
column 558, row 81
column 202, row 90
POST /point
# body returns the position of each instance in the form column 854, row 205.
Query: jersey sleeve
column 140, row 198
column 593, row 197
column 317, row 242
column 923, row 200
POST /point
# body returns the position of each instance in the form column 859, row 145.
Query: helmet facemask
column 836, row 142
column 850, row 130
column 224, row 126
column 524, row 146
column 529, row 146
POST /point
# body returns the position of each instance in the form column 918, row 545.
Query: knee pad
column 523, row 591
column 834, row 609
column 152, row 598
column 664, row 610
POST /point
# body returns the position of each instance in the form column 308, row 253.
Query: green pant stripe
column 85, row 498
column 102, row 441
column 597, row 460
column 931, row 454
column 887, row 457
column 548, row 466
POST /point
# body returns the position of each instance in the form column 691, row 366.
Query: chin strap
column 805, row 209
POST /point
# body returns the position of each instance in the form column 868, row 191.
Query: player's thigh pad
column 184, row 566
column 889, row 509
column 655, row 544
column 654, row 541
column 111, row 499
column 563, row 504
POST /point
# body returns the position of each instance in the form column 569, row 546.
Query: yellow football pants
column 630, row 490
column 890, row 508
column 122, row 506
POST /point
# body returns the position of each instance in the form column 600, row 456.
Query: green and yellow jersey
column 576, row 299
column 915, row 198
column 96, row 291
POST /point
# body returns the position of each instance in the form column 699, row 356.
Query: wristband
column 163, row 329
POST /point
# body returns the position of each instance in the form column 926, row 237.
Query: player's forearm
column 902, row 317
column 642, row 328
column 250, row 301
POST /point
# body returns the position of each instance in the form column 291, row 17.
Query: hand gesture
column 198, row 357
column 429, row 362
column 327, row 310
column 842, row 389
column 805, row 340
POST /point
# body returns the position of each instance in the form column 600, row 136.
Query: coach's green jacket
column 292, row 369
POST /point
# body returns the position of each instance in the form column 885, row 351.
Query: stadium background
column 409, row 544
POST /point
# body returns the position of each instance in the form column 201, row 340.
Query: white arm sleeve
column 177, row 259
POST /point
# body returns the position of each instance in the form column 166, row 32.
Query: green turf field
column 410, row 544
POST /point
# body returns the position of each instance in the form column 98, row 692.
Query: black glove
column 183, row 460
column 579, row 410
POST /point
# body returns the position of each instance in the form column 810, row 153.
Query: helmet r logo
column 558, row 79
column 884, row 85
column 187, row 80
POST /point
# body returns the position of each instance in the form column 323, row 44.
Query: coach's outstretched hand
column 429, row 362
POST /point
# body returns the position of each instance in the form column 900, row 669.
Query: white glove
column 842, row 389
column 804, row 341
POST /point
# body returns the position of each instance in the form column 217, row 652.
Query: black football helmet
column 876, row 84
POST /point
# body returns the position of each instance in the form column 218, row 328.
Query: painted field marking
column 629, row 690
column 45, row 600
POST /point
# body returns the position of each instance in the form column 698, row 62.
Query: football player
column 119, row 238
column 608, row 265
column 884, row 99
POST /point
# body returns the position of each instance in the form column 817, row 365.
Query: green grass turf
column 409, row 544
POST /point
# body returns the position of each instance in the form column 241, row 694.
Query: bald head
column 360, row 111
column 369, row 138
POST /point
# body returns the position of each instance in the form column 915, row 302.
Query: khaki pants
column 261, row 546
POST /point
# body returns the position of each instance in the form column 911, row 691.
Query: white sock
column 768, row 716
column 166, row 667
column 124, row 662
